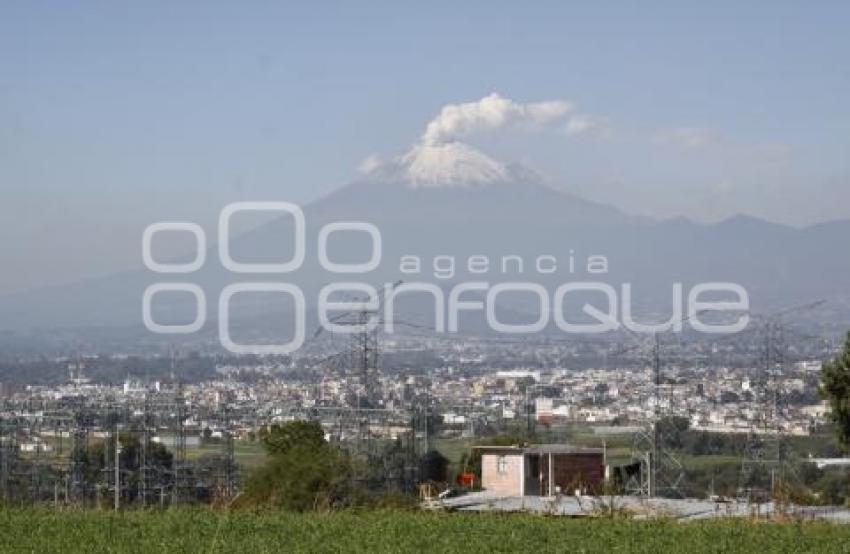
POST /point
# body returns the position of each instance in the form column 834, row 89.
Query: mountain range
column 452, row 200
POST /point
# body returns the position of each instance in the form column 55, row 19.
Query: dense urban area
column 729, row 425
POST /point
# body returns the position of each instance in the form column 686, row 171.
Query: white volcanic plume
column 489, row 114
column 439, row 159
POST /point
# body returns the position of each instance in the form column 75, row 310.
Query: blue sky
column 115, row 115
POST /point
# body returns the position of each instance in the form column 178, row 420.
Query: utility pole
column 117, row 470
column 656, row 438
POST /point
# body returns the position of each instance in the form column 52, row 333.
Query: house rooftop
column 554, row 448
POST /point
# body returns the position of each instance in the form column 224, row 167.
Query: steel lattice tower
column 662, row 473
column 763, row 461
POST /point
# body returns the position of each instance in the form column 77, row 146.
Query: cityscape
column 423, row 393
column 446, row 277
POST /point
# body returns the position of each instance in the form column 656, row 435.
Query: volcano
column 452, row 202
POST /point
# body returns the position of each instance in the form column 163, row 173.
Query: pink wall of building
column 509, row 480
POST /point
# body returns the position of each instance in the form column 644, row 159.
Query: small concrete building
column 542, row 470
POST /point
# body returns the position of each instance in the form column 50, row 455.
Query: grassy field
column 203, row 530
column 248, row 454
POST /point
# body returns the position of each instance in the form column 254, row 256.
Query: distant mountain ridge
column 777, row 264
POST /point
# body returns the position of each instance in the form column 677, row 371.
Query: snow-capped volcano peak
column 451, row 164
column 441, row 160
column 448, row 164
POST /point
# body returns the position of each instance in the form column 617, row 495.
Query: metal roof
column 543, row 449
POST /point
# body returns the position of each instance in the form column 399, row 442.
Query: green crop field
column 205, row 530
column 248, row 454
